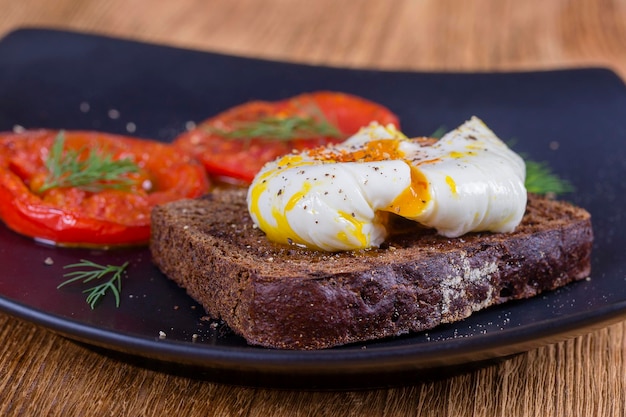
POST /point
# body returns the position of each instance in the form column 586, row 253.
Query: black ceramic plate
column 574, row 119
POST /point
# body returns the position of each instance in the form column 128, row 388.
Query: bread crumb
column 162, row 334
column 48, row 261
column 194, row 337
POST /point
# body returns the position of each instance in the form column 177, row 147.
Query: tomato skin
column 73, row 217
column 242, row 159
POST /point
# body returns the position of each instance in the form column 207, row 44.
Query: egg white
column 467, row 181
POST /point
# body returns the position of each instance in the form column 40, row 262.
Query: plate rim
column 550, row 331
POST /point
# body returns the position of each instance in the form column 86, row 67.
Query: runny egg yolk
column 412, row 201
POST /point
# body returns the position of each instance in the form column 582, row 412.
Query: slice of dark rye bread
column 285, row 297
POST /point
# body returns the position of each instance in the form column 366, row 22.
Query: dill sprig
column 93, row 272
column 283, row 127
column 280, row 128
column 95, row 172
column 541, row 180
column 438, row 134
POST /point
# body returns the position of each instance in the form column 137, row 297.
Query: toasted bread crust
column 285, row 297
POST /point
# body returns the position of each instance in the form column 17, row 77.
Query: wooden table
column 43, row 374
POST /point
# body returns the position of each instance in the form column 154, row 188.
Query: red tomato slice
column 71, row 216
column 242, row 158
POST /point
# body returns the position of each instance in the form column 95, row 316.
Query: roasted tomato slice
column 238, row 142
column 79, row 215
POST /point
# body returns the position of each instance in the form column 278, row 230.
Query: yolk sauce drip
column 283, row 231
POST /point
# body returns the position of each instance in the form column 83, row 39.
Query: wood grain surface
column 42, row 374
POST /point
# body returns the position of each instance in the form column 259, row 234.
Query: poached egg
column 339, row 197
